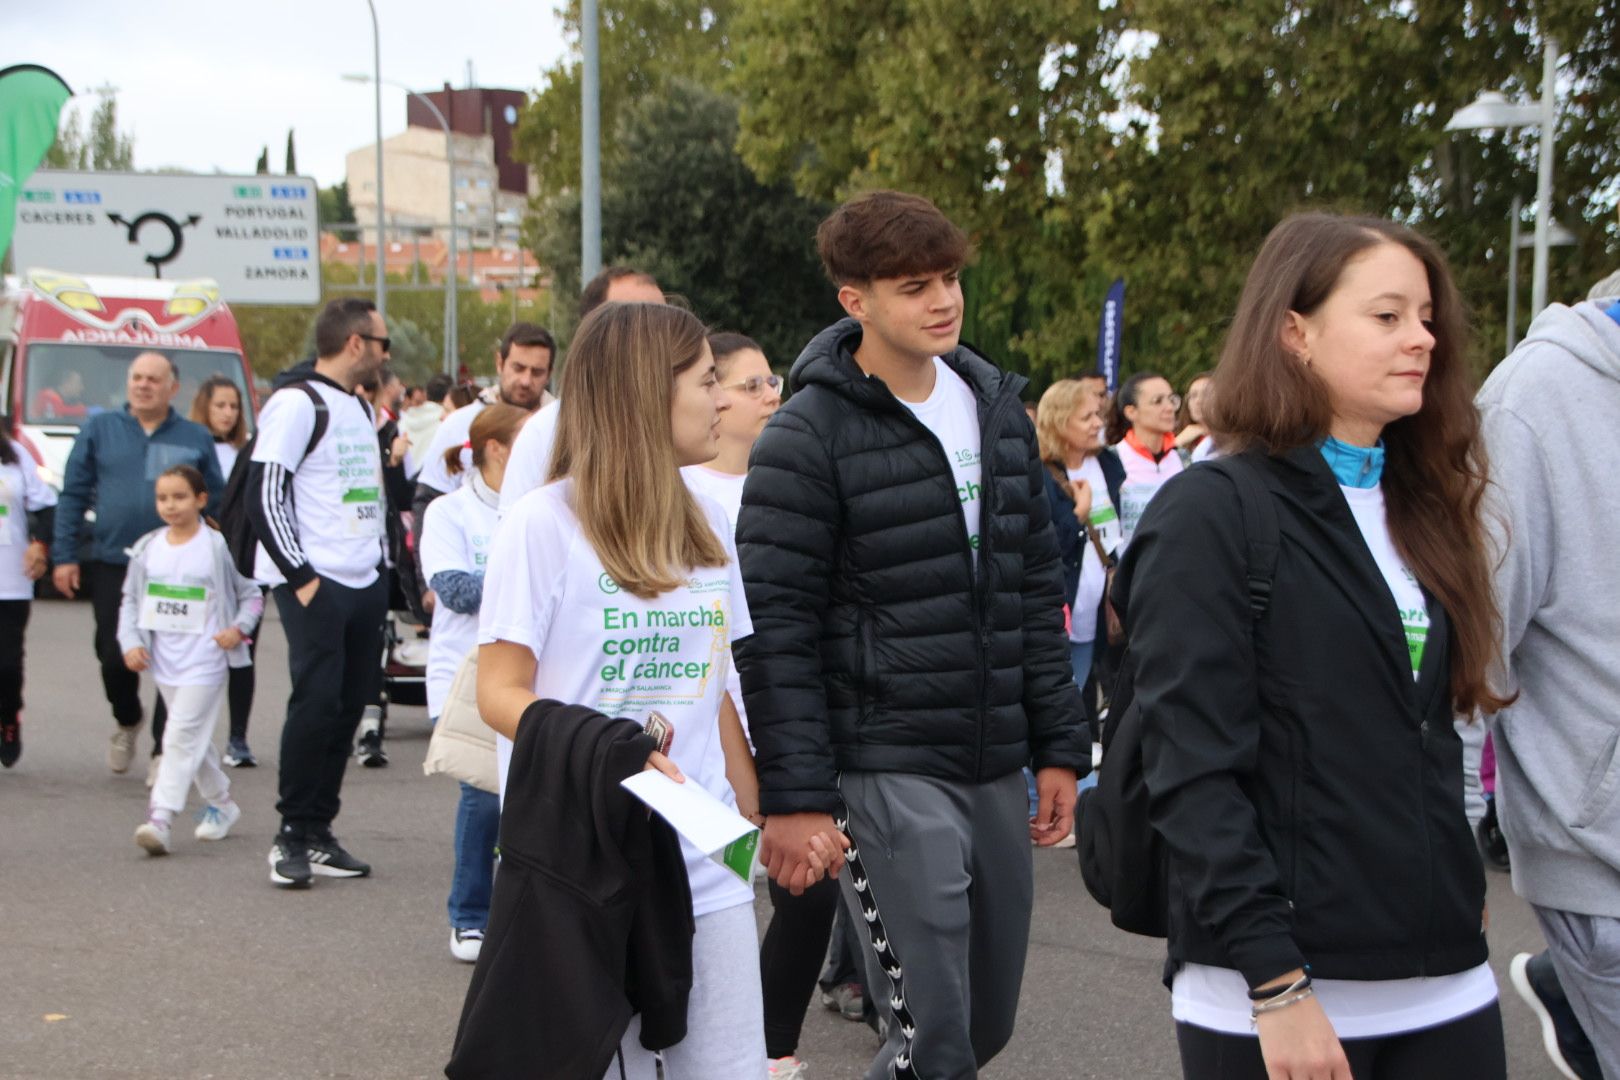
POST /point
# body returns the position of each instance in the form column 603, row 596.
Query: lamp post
column 590, row 152
column 382, row 260
column 1493, row 110
column 450, row 160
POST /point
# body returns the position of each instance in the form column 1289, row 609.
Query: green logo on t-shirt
column 607, row 584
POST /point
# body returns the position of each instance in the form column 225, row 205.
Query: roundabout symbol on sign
column 158, row 217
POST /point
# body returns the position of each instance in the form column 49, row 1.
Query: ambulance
column 66, row 341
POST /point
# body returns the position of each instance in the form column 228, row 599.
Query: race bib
column 362, row 512
column 174, row 609
column 1106, row 522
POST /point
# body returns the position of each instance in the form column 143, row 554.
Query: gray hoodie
column 1550, row 422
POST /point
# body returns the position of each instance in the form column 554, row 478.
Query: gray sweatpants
column 941, row 883
column 1586, row 952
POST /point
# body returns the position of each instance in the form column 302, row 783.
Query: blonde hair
column 615, row 440
column 1057, row 405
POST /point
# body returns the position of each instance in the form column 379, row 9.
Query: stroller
column 405, row 646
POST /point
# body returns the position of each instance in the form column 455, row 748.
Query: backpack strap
column 322, row 416
column 1262, row 535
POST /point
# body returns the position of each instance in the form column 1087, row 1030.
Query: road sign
column 256, row 235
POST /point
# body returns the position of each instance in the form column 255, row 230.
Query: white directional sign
column 256, row 235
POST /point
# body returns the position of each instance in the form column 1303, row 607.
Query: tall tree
column 71, row 150
column 332, row 204
column 292, row 156
column 110, row 149
column 262, row 166
column 678, row 202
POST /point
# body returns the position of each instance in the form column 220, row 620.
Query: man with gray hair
column 1548, row 414
column 113, row 469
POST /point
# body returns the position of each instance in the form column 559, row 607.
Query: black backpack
column 1123, row 860
column 234, row 522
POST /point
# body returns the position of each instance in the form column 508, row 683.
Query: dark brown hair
column 190, row 475
column 237, row 436
column 529, row 334
column 726, row 345
column 1434, row 472
column 888, row 234
column 595, row 292
column 1184, row 414
column 1118, row 424
column 340, row 320
column 499, row 421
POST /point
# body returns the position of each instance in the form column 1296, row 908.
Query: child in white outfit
column 186, row 615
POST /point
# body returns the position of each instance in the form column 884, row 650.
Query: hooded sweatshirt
column 1549, row 430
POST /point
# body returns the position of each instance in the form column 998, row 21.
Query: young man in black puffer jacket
column 909, row 656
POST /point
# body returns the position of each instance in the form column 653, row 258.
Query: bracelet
column 1281, row 1002
column 1271, row 992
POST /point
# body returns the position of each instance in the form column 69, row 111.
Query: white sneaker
column 152, row 766
column 153, row 837
column 121, row 750
column 788, row 1068
column 214, row 822
column 466, row 944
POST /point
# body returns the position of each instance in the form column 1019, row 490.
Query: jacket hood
column 1585, row 331
column 829, row 361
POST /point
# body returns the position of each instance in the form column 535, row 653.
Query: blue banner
column 1109, row 331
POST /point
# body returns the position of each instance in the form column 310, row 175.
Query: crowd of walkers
column 885, row 617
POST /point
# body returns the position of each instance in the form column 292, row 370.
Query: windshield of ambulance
column 66, row 383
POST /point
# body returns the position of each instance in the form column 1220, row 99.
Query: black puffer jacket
column 876, row 645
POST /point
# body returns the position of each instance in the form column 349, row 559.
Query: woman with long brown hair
column 218, row 407
column 1326, row 899
column 614, row 587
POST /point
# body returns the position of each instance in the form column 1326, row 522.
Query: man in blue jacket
column 113, row 468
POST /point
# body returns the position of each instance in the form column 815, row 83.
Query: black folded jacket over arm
column 591, row 918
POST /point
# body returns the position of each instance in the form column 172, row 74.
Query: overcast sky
column 206, row 85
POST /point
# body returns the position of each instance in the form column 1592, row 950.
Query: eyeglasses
column 385, row 341
column 755, row 383
column 1173, row 399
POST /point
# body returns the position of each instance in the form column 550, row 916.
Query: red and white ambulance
column 66, row 341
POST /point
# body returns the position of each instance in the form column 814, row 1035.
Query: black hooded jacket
column 882, row 640
column 591, row 918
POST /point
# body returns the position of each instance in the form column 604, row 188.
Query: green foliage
column 98, row 146
column 262, row 166
column 333, row 206
column 679, row 203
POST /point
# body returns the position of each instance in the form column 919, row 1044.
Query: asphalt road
column 118, row 965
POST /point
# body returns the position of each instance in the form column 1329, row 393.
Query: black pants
column 105, row 583
column 13, row 627
column 1468, row 1048
column 334, row 651
column 790, row 959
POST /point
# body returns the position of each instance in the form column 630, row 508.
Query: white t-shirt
column 452, row 432
column 186, row 658
column 726, row 490
column 21, row 490
column 1093, row 574
column 1216, row 998
column 599, row 646
column 951, row 412
column 1205, row 450
column 226, row 455
column 1143, row 479
column 337, row 492
column 530, row 460
column 1367, row 506
column 457, row 531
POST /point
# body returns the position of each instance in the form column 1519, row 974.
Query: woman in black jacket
column 1327, row 900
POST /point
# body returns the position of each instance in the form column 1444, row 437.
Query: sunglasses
column 755, row 383
column 385, row 342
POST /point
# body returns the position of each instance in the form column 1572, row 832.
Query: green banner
column 31, row 100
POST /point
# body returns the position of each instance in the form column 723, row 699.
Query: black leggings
column 790, row 960
column 1468, row 1048
column 13, row 627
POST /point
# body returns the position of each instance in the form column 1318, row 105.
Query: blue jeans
column 1080, row 654
column 478, row 826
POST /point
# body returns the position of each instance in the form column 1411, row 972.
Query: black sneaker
column 10, row 743
column 370, row 750
column 289, row 863
column 1536, row 980
column 1493, row 847
column 238, row 755
column 328, row 859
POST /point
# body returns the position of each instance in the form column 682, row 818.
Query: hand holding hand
column 786, row 849
column 137, row 659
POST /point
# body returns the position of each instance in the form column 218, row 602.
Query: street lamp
column 382, row 259
column 450, row 160
column 590, row 150
column 1493, row 110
